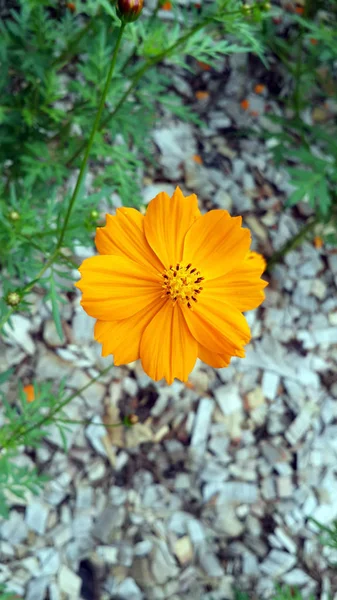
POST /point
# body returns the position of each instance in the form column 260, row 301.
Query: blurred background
column 224, row 488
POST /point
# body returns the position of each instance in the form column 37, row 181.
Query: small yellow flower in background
column 29, row 393
column 171, row 286
column 201, row 95
column 197, row 158
column 318, row 242
column 259, row 88
column 244, row 104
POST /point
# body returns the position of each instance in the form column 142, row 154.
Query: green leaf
column 54, row 298
column 5, row 375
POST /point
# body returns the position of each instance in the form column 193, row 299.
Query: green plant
column 328, row 535
column 60, row 117
column 281, row 593
column 307, row 148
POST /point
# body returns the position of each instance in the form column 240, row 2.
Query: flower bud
column 94, row 214
column 14, row 215
column 13, row 299
column 129, row 10
column 246, row 9
column 130, row 420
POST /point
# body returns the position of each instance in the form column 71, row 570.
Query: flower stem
column 88, row 422
column 139, row 74
column 293, row 243
column 298, row 76
column 18, row 434
column 92, row 136
column 73, row 198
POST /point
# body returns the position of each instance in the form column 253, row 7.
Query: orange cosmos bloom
column 201, row 95
column 166, row 6
column 259, row 88
column 204, row 66
column 29, row 393
column 318, row 242
column 171, row 286
column 244, row 104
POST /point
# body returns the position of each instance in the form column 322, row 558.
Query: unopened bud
column 94, row 214
column 129, row 10
column 130, row 420
column 246, row 9
column 13, row 299
column 266, row 6
column 14, row 215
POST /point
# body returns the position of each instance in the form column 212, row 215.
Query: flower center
column 182, row 283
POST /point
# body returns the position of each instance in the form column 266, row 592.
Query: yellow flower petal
column 167, row 348
column 115, row 288
column 212, row 359
column 122, row 338
column 217, row 325
column 241, row 287
column 166, row 223
column 123, row 235
column 216, row 243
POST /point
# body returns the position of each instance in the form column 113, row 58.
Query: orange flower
column 29, row 392
column 166, row 6
column 299, row 10
column 201, row 95
column 318, row 242
column 313, row 41
column 204, row 66
column 171, row 286
column 254, row 113
column 197, row 158
column 71, row 6
column 244, row 104
column 259, row 88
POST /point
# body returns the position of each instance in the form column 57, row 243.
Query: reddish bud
column 129, row 10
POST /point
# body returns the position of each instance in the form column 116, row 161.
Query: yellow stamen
column 182, row 283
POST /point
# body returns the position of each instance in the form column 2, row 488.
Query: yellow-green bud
column 14, row 215
column 129, row 10
column 130, row 420
column 246, row 9
column 13, row 299
column 266, row 6
column 94, row 214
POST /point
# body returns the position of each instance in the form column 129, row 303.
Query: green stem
column 73, row 198
column 139, row 74
column 298, row 77
column 293, row 243
column 92, row 136
column 88, row 422
column 18, row 434
column 6, row 317
column 29, row 286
